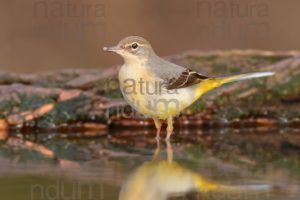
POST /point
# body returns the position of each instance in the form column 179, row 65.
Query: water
column 129, row 164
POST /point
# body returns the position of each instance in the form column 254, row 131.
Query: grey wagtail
column 158, row 88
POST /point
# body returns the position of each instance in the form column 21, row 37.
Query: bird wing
column 174, row 76
column 185, row 79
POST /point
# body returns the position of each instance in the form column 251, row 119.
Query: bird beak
column 112, row 49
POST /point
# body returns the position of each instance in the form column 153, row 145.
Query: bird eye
column 134, row 45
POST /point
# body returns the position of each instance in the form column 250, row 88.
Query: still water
column 220, row 164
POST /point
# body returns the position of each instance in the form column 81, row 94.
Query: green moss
column 63, row 112
column 33, row 102
column 292, row 87
column 6, row 108
column 23, row 103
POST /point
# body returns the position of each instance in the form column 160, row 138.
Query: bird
column 162, row 179
column 158, row 88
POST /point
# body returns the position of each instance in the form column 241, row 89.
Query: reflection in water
column 3, row 135
column 161, row 179
column 101, row 166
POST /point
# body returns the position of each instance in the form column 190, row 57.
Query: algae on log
column 53, row 99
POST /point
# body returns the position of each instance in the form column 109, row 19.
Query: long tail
column 246, row 188
column 212, row 83
column 245, row 76
column 207, row 186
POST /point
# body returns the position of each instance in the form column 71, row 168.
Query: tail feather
column 212, row 83
column 245, row 76
column 246, row 188
column 208, row 186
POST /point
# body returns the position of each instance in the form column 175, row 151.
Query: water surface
column 130, row 164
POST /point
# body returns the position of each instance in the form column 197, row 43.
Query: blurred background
column 44, row 35
column 69, row 134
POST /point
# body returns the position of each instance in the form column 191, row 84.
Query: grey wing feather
column 175, row 76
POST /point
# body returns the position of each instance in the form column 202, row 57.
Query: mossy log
column 58, row 99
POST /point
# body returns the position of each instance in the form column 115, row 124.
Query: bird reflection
column 159, row 180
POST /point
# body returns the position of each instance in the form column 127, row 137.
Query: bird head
column 132, row 48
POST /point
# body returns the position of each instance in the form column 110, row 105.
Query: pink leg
column 170, row 128
column 158, row 127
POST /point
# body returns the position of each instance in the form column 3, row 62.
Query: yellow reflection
column 158, row 180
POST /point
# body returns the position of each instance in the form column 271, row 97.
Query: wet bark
column 54, row 99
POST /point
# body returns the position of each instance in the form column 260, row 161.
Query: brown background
column 42, row 35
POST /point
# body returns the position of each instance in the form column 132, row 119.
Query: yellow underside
column 165, row 106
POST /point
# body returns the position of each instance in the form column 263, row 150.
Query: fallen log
column 77, row 96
